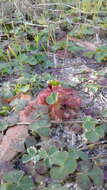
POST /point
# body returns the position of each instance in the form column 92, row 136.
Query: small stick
column 65, row 122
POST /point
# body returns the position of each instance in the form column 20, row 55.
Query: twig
column 64, row 122
column 70, row 6
column 23, row 123
column 67, row 122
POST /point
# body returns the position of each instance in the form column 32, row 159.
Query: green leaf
column 18, row 104
column 52, row 149
column 24, row 88
column 44, row 131
column 70, row 165
column 85, row 165
column 23, row 59
column 89, row 54
column 59, row 173
column 3, row 125
column 104, row 113
column 75, row 48
column 5, row 110
column 89, row 123
column 82, row 155
column 87, row 30
column 13, row 176
column 8, row 186
column 101, row 56
column 73, row 153
column 31, row 156
column 54, row 82
column 92, row 136
column 40, row 123
column 7, row 93
column 30, row 141
column 97, row 176
column 26, row 183
column 52, row 99
column 59, row 158
column 31, row 61
column 93, row 87
column 27, row 158
column 59, row 45
column 84, row 182
column 100, row 130
column 48, row 64
column 32, row 151
column 105, row 127
column 43, row 154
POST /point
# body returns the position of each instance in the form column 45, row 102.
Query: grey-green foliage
column 16, row 180
column 61, row 163
column 94, row 175
column 93, row 131
column 100, row 54
column 32, row 155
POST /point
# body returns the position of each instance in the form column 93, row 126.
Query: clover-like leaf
column 3, row 125
column 82, row 155
column 85, row 165
column 26, row 183
column 32, row 151
column 7, row 93
column 53, row 98
column 44, row 131
column 92, row 136
column 18, row 104
column 31, row 156
column 27, row 158
column 59, row 173
column 13, row 176
column 93, row 87
column 75, row 153
column 89, row 123
column 24, row 88
column 59, row 158
column 100, row 130
column 104, row 113
column 40, row 123
column 97, row 176
column 84, row 182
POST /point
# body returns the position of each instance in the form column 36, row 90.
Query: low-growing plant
column 66, row 45
column 82, row 31
column 100, row 54
column 63, row 163
column 93, row 131
column 17, row 180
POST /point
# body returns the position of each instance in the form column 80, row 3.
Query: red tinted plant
column 66, row 107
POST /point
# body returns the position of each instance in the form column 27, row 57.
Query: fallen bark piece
column 14, row 137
